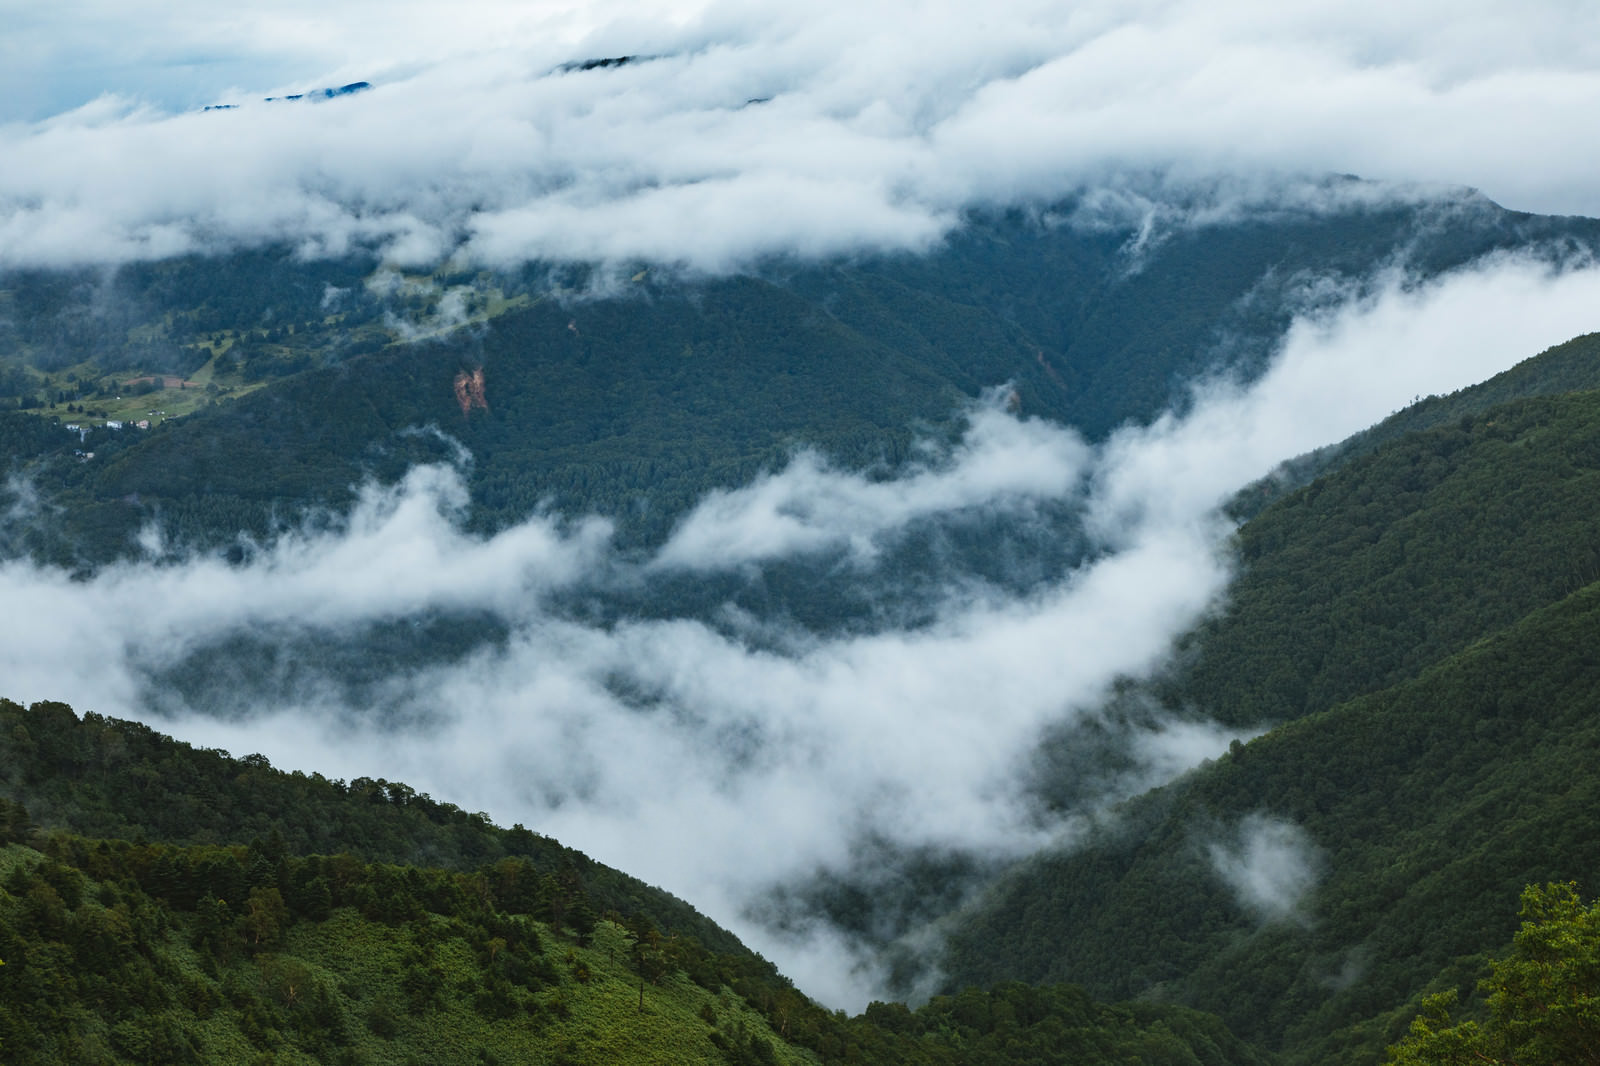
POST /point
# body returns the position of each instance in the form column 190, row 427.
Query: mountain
column 117, row 780
column 1402, row 557
column 1413, row 631
column 633, row 398
column 1405, row 640
column 120, row 950
column 1570, row 367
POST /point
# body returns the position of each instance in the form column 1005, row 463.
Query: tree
column 265, row 916
column 213, row 929
column 1543, row 999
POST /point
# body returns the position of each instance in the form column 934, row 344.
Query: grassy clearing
column 361, row 975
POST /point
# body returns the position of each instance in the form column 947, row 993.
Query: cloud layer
column 722, row 768
column 757, row 128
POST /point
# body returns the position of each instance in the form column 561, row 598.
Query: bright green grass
column 590, row 1014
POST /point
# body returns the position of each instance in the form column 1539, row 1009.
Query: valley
column 688, row 552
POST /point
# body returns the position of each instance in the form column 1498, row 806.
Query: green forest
column 633, row 398
column 178, row 905
column 1408, row 643
column 1414, row 631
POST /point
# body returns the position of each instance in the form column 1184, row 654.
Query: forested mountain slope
column 1424, row 809
column 298, row 947
column 1419, row 627
column 1405, row 555
column 634, row 398
column 1394, row 619
column 103, row 777
column 1570, row 367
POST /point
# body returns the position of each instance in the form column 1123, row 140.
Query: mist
column 1270, row 865
column 725, row 768
column 746, row 130
column 1003, row 464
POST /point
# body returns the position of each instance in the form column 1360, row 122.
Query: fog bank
column 741, row 130
column 720, row 768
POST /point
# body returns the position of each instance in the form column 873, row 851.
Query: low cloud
column 1271, row 866
column 749, row 130
column 20, row 500
column 1002, row 465
column 723, row 768
column 439, row 309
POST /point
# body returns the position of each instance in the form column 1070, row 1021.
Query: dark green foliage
column 129, row 953
column 1404, row 556
column 637, row 403
column 97, row 939
column 58, row 319
column 25, row 437
column 1127, row 326
column 1573, row 366
column 118, row 951
column 116, row 779
column 1430, row 803
column 1425, row 620
column 635, row 414
column 1424, row 615
column 1050, row 1026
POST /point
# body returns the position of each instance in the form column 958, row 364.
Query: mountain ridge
column 1425, row 762
column 673, row 388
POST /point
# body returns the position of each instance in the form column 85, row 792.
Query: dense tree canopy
column 1543, row 999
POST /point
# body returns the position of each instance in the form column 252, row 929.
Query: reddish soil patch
column 469, row 391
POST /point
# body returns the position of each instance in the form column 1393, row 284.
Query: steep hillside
column 1394, row 618
column 1537, row 994
column 1402, row 557
column 634, row 398
column 1424, row 809
column 119, row 951
column 103, row 777
column 1422, row 625
column 1570, row 367
column 122, row 953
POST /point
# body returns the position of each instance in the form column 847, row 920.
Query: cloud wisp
column 1271, row 866
column 722, row 769
column 752, row 129
column 1002, row 464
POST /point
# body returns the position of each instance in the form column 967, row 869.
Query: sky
column 753, row 127
column 749, row 130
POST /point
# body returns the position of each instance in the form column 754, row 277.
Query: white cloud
column 719, row 768
column 1338, row 372
column 877, row 123
column 1271, row 865
column 1003, row 464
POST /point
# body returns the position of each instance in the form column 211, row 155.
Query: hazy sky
column 756, row 127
